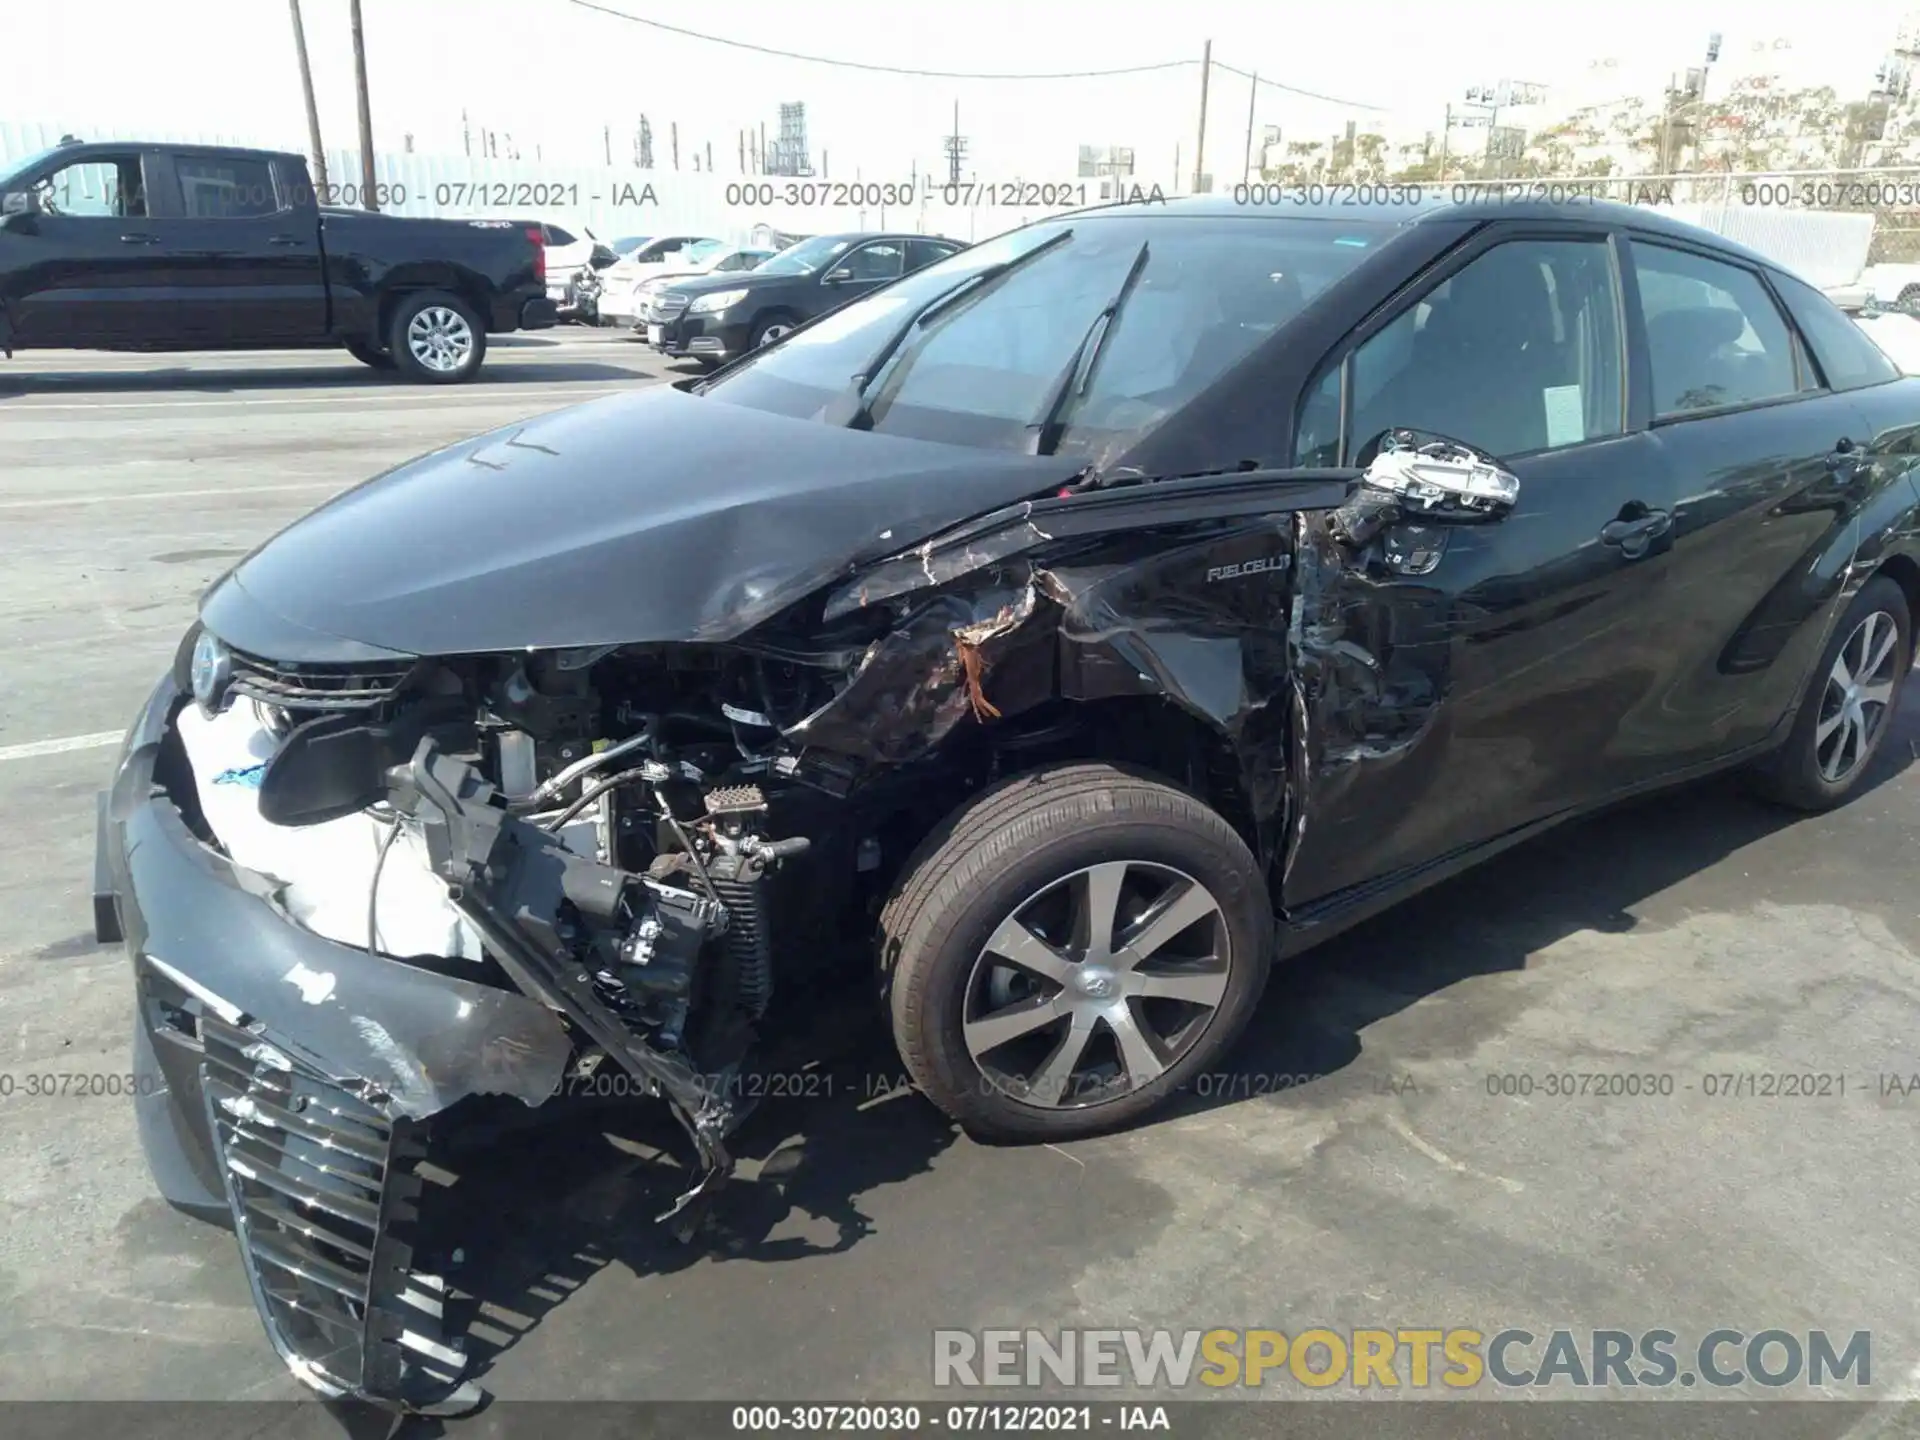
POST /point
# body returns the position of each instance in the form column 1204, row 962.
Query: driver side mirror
column 1414, row 478
column 16, row 206
column 837, row 277
column 1436, row 479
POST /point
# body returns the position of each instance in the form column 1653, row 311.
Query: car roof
column 880, row 235
column 1440, row 208
column 84, row 148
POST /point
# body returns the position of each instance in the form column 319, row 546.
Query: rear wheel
column 1849, row 705
column 436, row 338
column 1071, row 948
column 368, row 355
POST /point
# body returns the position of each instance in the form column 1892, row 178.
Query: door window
column 1714, row 335
column 224, row 188
column 557, row 236
column 102, row 186
column 874, row 262
column 1848, row 359
column 1518, row 351
column 925, row 252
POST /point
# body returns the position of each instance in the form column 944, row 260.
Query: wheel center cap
column 1097, row 982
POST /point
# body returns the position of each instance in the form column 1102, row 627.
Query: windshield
column 984, row 370
column 806, row 257
column 701, row 251
column 627, row 244
column 10, row 176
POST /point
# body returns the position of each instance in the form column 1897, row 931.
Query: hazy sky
column 553, row 73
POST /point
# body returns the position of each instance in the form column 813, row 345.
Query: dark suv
column 713, row 318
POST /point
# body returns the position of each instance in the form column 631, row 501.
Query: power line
column 1296, row 90
column 963, row 74
column 883, row 69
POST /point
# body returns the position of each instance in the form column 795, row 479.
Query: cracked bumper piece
column 282, row 1079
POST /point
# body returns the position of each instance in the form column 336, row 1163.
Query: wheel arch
column 464, row 285
column 1904, row 571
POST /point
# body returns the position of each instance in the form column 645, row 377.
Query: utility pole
column 1446, row 138
column 709, row 157
column 606, row 139
column 1253, row 98
column 466, row 134
column 313, row 110
column 956, row 147
column 367, row 197
column 1200, row 148
column 673, row 129
column 740, row 137
column 763, row 147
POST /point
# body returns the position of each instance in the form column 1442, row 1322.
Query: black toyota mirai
column 1060, row 633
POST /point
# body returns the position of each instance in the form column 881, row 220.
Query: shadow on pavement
column 1587, row 876
column 497, row 373
column 530, row 1210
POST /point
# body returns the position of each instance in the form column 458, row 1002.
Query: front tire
column 1070, row 948
column 1849, row 706
column 772, row 328
column 435, row 338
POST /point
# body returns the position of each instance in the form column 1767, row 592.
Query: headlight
column 211, row 672
column 716, row 302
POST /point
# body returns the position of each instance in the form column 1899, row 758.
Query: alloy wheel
column 1096, row 985
column 1857, row 698
column 773, row 332
column 440, row 339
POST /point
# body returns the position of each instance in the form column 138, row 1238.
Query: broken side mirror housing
column 1435, row 479
column 1410, row 477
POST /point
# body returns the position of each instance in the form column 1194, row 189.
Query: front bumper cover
column 282, row 1082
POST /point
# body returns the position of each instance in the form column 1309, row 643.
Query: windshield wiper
column 1050, row 425
column 871, row 381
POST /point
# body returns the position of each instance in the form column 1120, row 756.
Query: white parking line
column 34, row 748
column 50, row 501
column 471, row 397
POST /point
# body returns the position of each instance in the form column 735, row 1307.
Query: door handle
column 139, row 237
column 1635, row 534
column 283, row 240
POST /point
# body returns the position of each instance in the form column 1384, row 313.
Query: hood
column 649, row 517
column 733, row 280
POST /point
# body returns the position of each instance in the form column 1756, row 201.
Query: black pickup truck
column 191, row 247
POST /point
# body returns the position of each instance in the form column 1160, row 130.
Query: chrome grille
column 317, row 687
column 670, row 304
column 323, row 1191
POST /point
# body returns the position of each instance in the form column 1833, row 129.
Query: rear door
column 85, row 268
column 241, row 248
column 921, row 253
column 1766, row 518
column 1521, row 671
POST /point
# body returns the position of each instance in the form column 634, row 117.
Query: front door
column 84, row 265
column 1513, row 678
column 862, row 270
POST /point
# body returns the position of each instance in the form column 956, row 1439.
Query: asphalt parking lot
column 1699, row 934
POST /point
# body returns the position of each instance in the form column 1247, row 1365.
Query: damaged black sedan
column 1062, row 632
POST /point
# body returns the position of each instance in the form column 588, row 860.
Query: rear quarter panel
column 372, row 257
